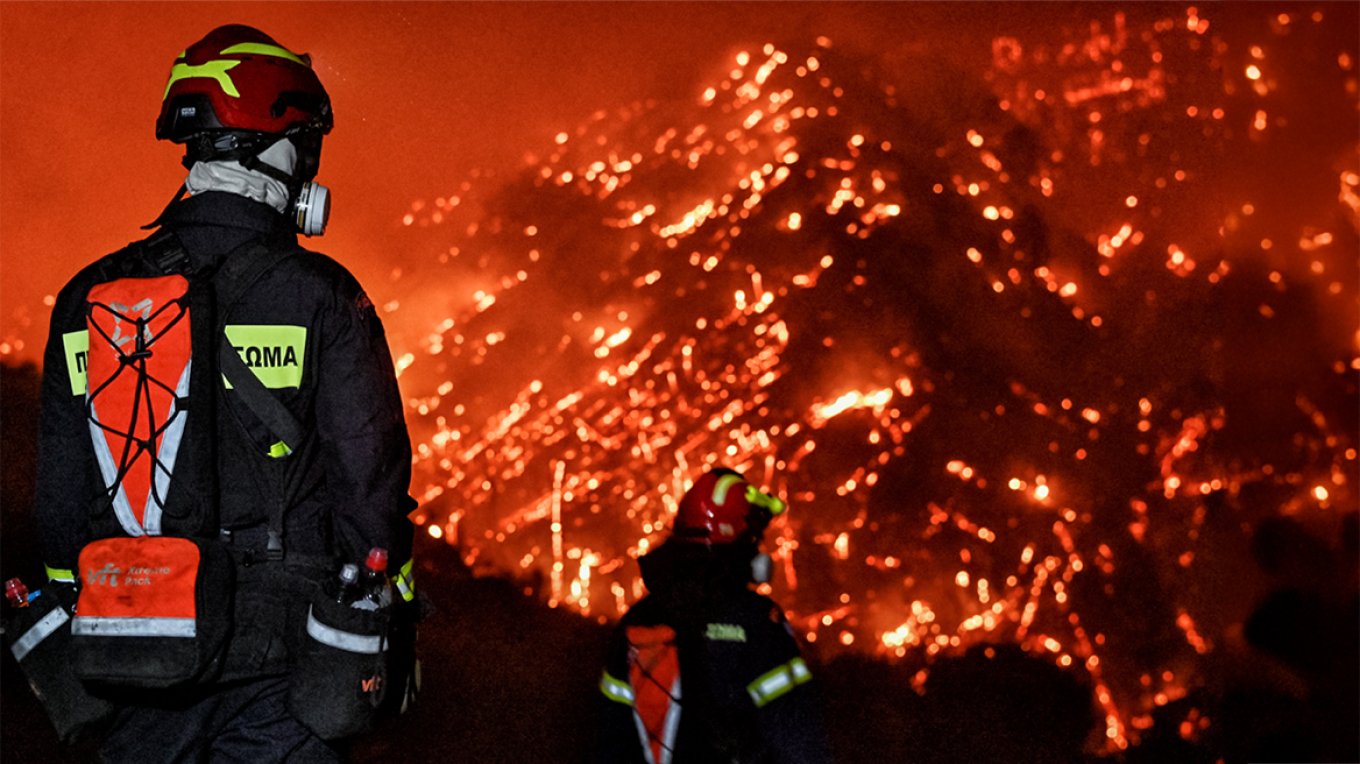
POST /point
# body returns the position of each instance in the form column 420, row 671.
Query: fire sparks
column 976, row 449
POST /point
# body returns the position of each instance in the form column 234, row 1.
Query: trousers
column 244, row 723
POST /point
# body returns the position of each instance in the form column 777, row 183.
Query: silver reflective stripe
column 771, row 685
column 164, row 463
column 616, row 690
column 669, row 726
column 646, row 739
column 40, row 631
column 668, row 729
column 109, row 469
column 343, row 640
column 672, row 723
column 405, row 581
column 778, row 681
column 137, row 626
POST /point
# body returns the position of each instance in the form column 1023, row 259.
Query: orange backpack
column 155, row 604
column 654, row 672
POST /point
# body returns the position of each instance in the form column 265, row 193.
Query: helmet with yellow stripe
column 722, row 508
column 240, row 79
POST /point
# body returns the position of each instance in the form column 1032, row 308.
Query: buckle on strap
column 274, row 550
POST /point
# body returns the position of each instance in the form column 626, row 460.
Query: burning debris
column 1031, row 357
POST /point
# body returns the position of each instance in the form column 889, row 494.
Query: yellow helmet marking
column 761, row 499
column 724, row 485
column 215, row 69
column 265, row 49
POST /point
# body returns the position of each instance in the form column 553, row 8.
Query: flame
column 737, row 279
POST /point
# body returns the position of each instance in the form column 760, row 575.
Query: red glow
column 698, row 278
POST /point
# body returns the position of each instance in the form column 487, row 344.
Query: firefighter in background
column 251, row 115
column 703, row 669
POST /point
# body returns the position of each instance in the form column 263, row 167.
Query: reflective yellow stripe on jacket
column 405, row 580
column 778, row 681
column 616, row 690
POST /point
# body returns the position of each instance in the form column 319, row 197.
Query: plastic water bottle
column 377, row 590
column 16, row 593
column 347, row 586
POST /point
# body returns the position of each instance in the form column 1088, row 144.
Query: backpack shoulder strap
column 271, row 412
column 163, row 251
column 242, row 268
column 237, row 274
column 240, row 271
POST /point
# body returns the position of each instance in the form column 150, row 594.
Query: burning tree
column 1032, row 355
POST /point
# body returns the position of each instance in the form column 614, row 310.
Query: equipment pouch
column 154, row 611
column 340, row 678
column 40, row 638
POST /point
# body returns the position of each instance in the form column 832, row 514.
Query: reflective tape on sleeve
column 406, row 580
column 616, row 690
column 777, row 681
column 370, row 644
column 40, row 631
column 141, row 626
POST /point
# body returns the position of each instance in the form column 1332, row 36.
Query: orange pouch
column 154, row 611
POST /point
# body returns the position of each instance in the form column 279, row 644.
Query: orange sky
column 423, row 93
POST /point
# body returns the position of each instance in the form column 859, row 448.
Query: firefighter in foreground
column 219, row 405
column 703, row 669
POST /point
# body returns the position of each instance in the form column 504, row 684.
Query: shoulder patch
column 77, row 346
column 274, row 353
column 725, row 632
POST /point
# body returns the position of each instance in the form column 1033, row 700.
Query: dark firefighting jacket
column 743, row 691
column 309, row 332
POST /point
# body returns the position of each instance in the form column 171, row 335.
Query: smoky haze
column 1043, row 316
column 424, row 94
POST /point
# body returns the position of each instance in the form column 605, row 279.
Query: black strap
column 252, row 391
column 238, row 273
column 163, row 251
column 244, row 266
column 241, row 270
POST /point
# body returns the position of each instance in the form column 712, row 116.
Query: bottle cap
column 377, row 559
column 16, row 592
column 349, row 574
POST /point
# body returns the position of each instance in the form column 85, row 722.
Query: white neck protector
column 233, row 178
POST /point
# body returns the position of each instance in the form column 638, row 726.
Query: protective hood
column 676, row 563
column 233, row 178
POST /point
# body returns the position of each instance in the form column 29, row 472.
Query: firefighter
column 292, row 491
column 704, row 669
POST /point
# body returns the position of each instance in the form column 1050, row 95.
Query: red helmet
column 722, row 508
column 239, row 78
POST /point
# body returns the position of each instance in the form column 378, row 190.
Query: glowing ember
column 1025, row 444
